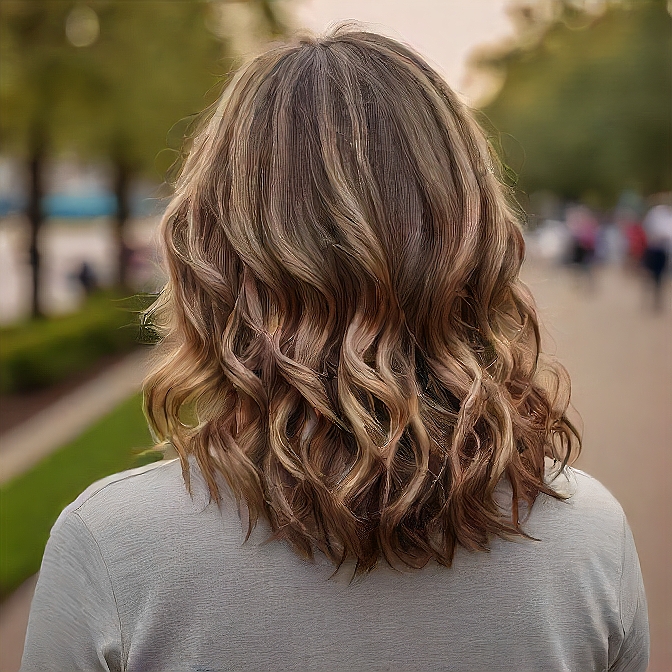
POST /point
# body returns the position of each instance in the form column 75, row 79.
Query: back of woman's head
column 345, row 337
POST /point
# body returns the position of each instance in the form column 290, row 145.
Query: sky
column 445, row 32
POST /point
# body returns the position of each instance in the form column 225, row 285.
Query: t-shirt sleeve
column 73, row 623
column 633, row 655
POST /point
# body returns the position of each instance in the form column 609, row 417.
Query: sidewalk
column 25, row 445
column 13, row 623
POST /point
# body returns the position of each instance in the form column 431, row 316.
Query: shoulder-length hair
column 345, row 337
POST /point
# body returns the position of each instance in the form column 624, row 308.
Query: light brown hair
column 345, row 337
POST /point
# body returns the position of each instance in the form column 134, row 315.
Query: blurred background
column 95, row 100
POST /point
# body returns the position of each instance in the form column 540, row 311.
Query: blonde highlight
column 343, row 322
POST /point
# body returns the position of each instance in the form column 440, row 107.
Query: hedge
column 41, row 352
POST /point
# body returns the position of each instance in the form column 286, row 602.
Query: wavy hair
column 344, row 334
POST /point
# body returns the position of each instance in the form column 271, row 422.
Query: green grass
column 30, row 503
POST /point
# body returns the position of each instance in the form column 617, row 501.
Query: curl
column 345, row 337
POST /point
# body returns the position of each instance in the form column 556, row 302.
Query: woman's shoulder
column 584, row 492
column 147, row 517
column 580, row 496
column 147, row 494
column 586, row 510
column 119, row 485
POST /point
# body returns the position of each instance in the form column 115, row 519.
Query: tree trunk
column 36, row 219
column 122, row 192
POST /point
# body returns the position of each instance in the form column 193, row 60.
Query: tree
column 587, row 100
column 108, row 79
column 29, row 99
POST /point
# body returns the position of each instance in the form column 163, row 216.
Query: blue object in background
column 83, row 206
column 9, row 205
column 79, row 206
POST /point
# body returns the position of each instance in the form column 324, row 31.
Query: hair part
column 345, row 337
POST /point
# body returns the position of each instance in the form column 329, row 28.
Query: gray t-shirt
column 137, row 575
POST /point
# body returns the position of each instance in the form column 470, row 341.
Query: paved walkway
column 25, row 445
column 13, row 623
column 618, row 353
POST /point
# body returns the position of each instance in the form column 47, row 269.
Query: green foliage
column 33, row 67
column 152, row 65
column 585, row 108
column 30, row 504
column 41, row 352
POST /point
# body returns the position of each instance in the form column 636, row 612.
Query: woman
column 350, row 365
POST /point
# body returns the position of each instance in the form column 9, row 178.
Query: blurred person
column 658, row 229
column 87, row 279
column 350, row 370
column 628, row 218
column 584, row 230
column 636, row 241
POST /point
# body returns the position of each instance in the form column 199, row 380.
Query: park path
column 24, row 446
column 619, row 355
